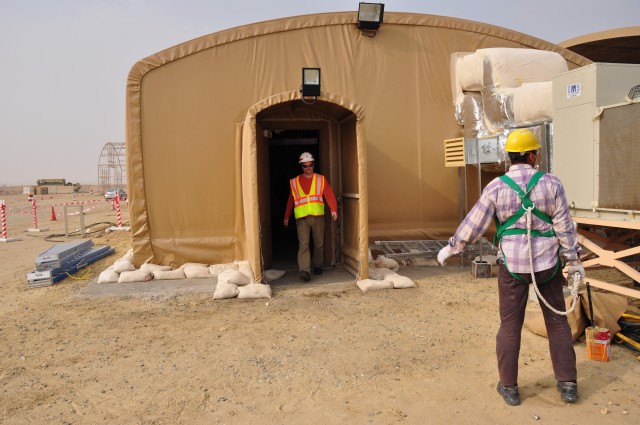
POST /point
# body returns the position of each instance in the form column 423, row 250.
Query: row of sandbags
column 498, row 88
column 235, row 279
column 382, row 275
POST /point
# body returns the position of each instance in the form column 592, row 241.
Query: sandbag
column 245, row 268
column 235, row 277
column 401, row 282
column 607, row 308
column 123, row 266
column 388, row 263
column 271, row 275
column 254, row 290
column 215, row 269
column 387, row 272
column 108, row 276
column 198, row 271
column 148, row 267
column 194, row 265
column 371, row 284
column 128, row 256
column 225, row 290
column 376, row 273
column 134, row 276
column 168, row 274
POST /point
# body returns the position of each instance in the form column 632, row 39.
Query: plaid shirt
column 499, row 199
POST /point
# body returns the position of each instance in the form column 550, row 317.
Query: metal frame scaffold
column 112, row 172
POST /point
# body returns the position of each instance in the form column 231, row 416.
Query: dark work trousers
column 310, row 226
column 513, row 296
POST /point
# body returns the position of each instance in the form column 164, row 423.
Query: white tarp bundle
column 514, row 86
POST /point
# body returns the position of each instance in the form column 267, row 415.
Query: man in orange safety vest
column 306, row 198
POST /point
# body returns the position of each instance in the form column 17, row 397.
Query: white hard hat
column 305, row 157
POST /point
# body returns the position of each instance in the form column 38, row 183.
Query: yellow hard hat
column 521, row 140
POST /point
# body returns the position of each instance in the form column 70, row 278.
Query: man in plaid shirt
column 553, row 237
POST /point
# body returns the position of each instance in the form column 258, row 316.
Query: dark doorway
column 285, row 147
column 328, row 131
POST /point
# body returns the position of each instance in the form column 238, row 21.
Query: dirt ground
column 313, row 354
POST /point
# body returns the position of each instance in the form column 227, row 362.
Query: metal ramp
column 429, row 248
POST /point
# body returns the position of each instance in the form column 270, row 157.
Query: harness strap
column 546, row 234
column 526, row 203
column 520, row 278
column 507, row 228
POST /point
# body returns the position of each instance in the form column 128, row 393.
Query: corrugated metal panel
column 619, row 173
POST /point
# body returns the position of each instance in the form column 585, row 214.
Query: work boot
column 304, row 276
column 509, row 394
column 317, row 270
column 568, row 391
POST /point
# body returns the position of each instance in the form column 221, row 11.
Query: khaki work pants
column 310, row 226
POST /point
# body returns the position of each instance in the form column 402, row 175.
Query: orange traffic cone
column 53, row 215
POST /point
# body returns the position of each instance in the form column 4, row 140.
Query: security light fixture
column 310, row 83
column 370, row 16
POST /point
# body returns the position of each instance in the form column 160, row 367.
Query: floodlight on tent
column 310, row 82
column 370, row 17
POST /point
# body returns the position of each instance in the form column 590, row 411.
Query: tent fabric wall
column 191, row 119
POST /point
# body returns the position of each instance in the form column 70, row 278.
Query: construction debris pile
column 62, row 260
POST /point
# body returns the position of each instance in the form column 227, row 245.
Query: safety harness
column 506, row 228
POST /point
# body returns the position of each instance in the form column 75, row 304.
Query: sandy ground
column 313, row 354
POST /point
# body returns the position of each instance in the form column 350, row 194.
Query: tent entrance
column 283, row 132
column 285, row 147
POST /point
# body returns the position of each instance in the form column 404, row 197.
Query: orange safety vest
column 308, row 204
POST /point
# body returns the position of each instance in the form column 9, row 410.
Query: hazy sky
column 65, row 62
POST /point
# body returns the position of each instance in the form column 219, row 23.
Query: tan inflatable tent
column 215, row 126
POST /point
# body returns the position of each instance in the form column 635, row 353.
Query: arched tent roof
column 190, row 153
column 341, row 18
column 620, row 45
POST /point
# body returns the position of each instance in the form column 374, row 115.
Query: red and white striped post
column 3, row 217
column 118, row 211
column 35, row 214
column 3, row 214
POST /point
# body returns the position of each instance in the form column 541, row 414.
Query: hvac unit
column 596, row 140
